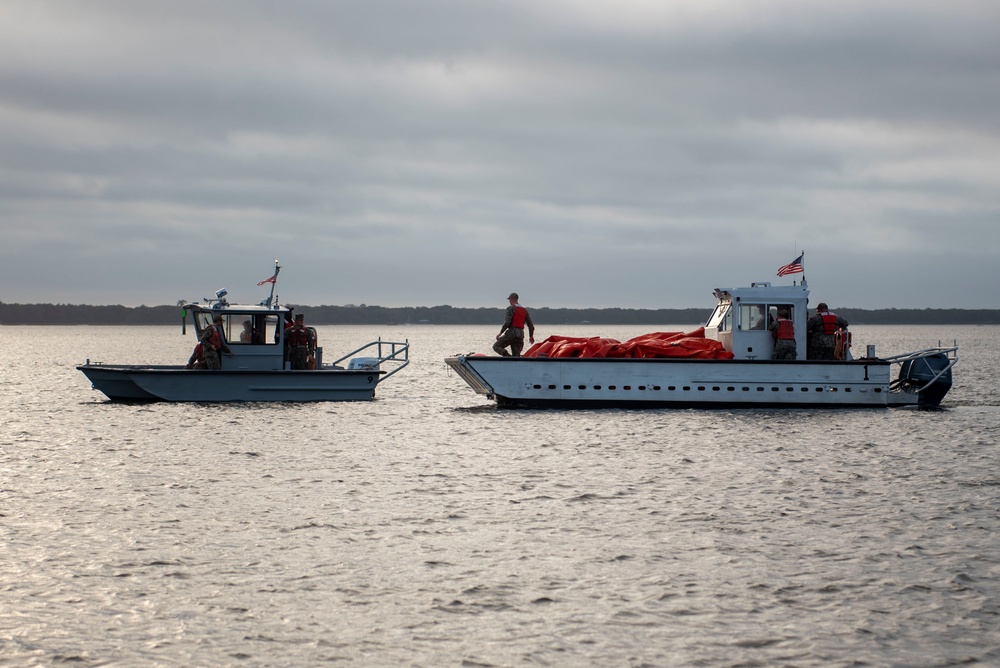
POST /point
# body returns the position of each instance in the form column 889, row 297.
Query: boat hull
column 135, row 384
column 651, row 383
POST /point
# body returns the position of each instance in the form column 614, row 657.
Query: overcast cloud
column 584, row 153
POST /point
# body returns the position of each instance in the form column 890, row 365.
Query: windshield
column 244, row 328
column 720, row 316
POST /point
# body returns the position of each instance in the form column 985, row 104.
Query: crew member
column 822, row 329
column 248, row 335
column 213, row 342
column 197, row 359
column 783, row 332
column 516, row 317
column 300, row 343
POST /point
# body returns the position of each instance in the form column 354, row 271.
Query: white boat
column 256, row 370
column 749, row 378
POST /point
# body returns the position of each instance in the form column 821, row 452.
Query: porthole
column 626, row 387
column 597, row 387
column 537, row 387
column 612, row 387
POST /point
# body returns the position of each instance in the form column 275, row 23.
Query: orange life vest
column 785, row 330
column 297, row 337
column 829, row 322
column 215, row 338
column 520, row 315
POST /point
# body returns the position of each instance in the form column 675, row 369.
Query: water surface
column 429, row 528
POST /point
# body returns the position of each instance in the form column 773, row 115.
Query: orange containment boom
column 657, row 344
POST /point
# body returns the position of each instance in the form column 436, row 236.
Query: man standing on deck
column 783, row 332
column 300, row 342
column 821, row 330
column 512, row 331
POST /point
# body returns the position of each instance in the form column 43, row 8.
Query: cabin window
column 753, row 316
column 252, row 329
column 242, row 328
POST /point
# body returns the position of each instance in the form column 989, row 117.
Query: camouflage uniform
column 299, row 357
column 822, row 346
column 300, row 344
column 197, row 359
column 512, row 337
column 784, row 349
column 211, row 354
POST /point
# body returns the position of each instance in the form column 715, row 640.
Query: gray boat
column 257, row 368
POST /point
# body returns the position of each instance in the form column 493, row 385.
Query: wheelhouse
column 254, row 334
column 742, row 317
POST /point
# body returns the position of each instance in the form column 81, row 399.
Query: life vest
column 215, row 338
column 520, row 315
column 785, row 330
column 297, row 337
column 842, row 341
column 829, row 322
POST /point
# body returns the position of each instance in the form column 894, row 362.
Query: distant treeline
column 70, row 314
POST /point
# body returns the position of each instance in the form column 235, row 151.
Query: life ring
column 842, row 341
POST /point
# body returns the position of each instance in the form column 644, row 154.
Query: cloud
column 398, row 153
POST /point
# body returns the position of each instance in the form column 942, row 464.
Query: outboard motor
column 916, row 373
column 364, row 364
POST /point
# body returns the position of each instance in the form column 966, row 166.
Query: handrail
column 950, row 352
column 926, row 352
column 399, row 352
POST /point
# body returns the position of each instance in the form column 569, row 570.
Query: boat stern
column 926, row 375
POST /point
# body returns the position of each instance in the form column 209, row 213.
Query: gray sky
column 636, row 153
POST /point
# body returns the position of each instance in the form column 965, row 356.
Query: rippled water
column 428, row 528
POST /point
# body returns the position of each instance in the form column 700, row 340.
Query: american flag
column 793, row 267
column 270, row 279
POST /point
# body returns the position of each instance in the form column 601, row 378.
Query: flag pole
column 274, row 283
